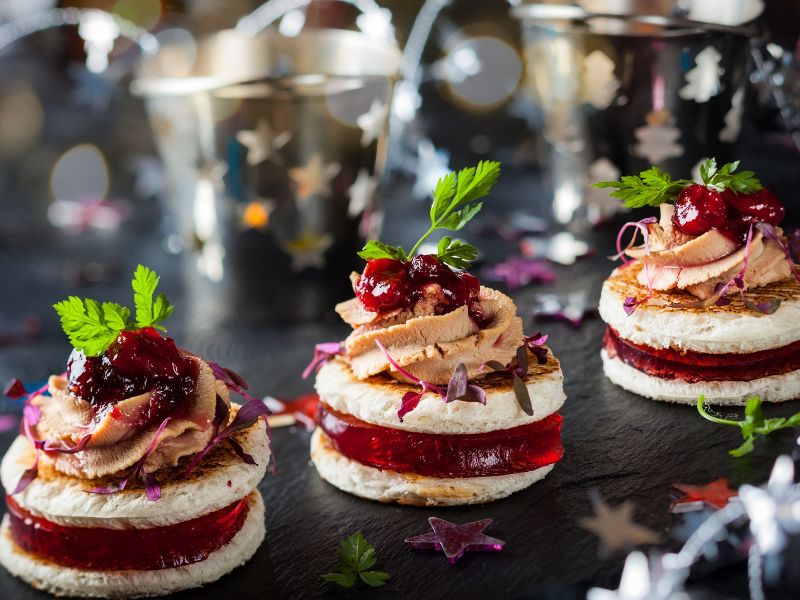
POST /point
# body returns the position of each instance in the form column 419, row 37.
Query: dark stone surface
column 623, row 446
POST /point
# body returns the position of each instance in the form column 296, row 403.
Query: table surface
column 623, row 446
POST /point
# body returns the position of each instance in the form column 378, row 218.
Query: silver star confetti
column 262, row 143
column 572, row 308
column 308, row 250
column 615, row 526
column 372, row 122
column 644, row 579
column 314, row 177
column 702, row 82
column 361, row 193
column 658, row 140
column 562, row 248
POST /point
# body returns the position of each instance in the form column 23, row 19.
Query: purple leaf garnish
column 768, row 231
column 767, row 307
column 535, row 343
column 461, row 389
column 322, row 354
column 230, row 378
column 518, row 271
column 151, row 485
column 793, row 245
column 246, row 417
column 40, row 445
column 518, row 369
column 15, row 389
column 631, row 303
column 410, row 399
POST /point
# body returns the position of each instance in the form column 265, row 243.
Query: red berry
column 699, row 209
column 762, row 205
column 426, row 268
column 383, row 285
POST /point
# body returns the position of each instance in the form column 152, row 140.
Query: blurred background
column 246, row 150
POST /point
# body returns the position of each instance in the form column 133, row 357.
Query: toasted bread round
column 377, row 399
column 64, row 581
column 406, row 488
column 714, row 330
column 220, row 479
column 775, row 388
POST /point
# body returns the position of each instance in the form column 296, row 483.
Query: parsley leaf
column 455, row 203
column 456, row 253
column 149, row 312
column 743, row 182
column 753, row 424
column 356, row 557
column 91, row 326
column 652, row 187
column 376, row 249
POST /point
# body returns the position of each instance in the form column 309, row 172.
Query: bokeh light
column 80, row 174
column 21, row 118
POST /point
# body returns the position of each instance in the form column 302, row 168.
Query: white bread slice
column 775, row 388
column 407, row 488
column 63, row 499
column 64, row 581
column 714, row 330
column 376, row 400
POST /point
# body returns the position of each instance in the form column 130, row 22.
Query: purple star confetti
column 518, row 271
column 572, row 308
column 454, row 540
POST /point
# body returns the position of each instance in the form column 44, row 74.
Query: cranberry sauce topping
column 501, row 452
column 699, row 209
column 137, row 362
column 696, row 366
column 102, row 549
column 388, row 284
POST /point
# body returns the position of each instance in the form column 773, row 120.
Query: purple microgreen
column 768, row 231
column 518, row 271
column 631, row 303
column 15, row 389
column 410, row 399
column 535, row 343
column 323, row 353
column 245, row 418
column 230, row 378
column 461, row 389
column 523, row 397
column 151, row 485
column 28, row 475
column 767, row 307
column 793, row 245
column 518, row 369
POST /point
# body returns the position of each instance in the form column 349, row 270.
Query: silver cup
column 273, row 147
column 625, row 84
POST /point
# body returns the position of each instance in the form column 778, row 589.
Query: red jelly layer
column 501, row 452
column 667, row 363
column 102, row 549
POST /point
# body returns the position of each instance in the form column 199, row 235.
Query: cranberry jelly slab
column 137, row 362
column 696, row 366
column 101, row 549
column 501, row 452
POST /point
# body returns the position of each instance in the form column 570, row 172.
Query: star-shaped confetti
column 314, row 177
column 644, row 579
column 361, row 193
column 562, row 248
column 372, row 122
column 262, row 143
column 715, row 494
column 518, row 271
column 454, row 540
column 571, row 308
column 615, row 526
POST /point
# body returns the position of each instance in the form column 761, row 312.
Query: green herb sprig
column 92, row 326
column 753, row 424
column 653, row 187
column 455, row 203
column 356, row 558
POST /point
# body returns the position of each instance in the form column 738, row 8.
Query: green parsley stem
column 701, row 409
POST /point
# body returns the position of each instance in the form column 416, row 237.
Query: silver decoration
column 262, row 144
column 733, row 118
column 643, row 578
column 598, row 83
column 600, row 206
column 702, row 81
column 431, row 165
column 658, row 140
column 361, row 193
column 314, row 178
column 562, row 248
column 372, row 122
